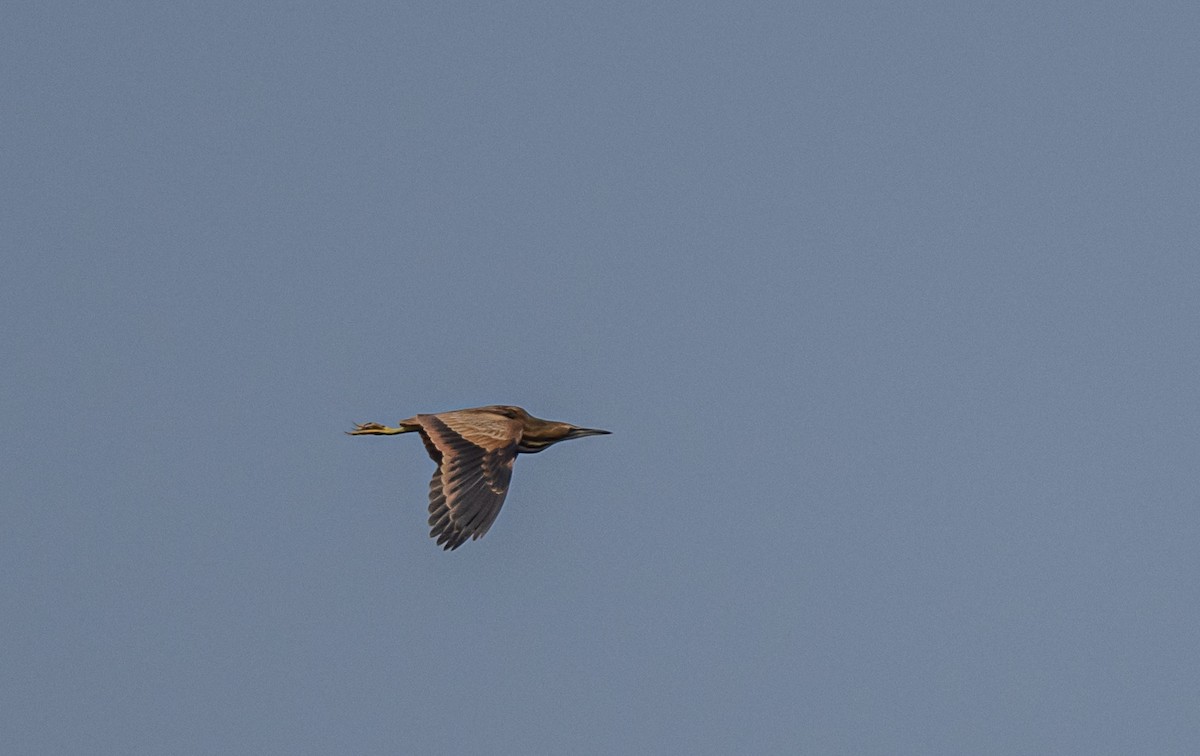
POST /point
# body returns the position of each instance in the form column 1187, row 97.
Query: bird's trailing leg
column 375, row 429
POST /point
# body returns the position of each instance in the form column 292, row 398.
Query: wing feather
column 475, row 456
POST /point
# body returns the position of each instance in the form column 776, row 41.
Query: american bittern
column 474, row 450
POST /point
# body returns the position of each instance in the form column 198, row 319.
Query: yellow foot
column 373, row 429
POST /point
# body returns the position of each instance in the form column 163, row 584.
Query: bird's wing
column 474, row 454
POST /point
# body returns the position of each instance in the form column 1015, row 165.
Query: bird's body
column 474, row 450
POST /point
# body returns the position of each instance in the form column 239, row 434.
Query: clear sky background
column 893, row 309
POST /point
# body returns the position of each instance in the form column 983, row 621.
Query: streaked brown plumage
column 474, row 450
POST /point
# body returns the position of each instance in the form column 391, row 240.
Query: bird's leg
column 375, row 429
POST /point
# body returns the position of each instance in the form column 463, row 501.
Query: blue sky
column 892, row 310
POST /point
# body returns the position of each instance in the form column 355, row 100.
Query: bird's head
column 537, row 434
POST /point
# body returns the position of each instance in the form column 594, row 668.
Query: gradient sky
column 893, row 309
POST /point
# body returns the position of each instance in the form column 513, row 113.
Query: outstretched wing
column 474, row 453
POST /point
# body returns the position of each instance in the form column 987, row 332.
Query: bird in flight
column 474, row 450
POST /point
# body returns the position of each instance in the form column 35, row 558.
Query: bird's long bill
column 581, row 432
